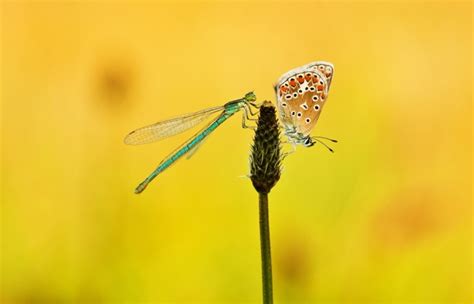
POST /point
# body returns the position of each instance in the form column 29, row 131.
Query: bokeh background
column 387, row 218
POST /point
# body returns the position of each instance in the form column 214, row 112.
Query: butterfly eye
column 308, row 120
column 315, row 98
column 316, row 107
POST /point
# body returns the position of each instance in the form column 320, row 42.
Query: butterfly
column 301, row 96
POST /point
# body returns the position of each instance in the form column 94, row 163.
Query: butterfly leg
column 293, row 150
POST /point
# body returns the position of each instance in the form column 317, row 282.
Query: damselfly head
column 301, row 95
column 250, row 96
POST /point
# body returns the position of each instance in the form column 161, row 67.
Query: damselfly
column 180, row 124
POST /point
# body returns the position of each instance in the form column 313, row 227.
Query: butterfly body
column 301, row 96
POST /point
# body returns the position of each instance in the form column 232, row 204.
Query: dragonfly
column 171, row 127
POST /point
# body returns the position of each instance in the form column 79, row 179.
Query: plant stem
column 265, row 249
column 265, row 171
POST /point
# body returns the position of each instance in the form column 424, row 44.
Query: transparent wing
column 180, row 151
column 169, row 127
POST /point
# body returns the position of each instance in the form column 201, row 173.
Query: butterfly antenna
column 324, row 144
column 327, row 138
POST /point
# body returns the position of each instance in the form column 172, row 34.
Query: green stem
column 265, row 249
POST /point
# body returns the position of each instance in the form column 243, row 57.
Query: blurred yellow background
column 387, row 218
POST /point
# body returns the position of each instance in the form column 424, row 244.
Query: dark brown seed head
column 265, row 157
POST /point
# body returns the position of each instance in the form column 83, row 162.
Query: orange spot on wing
column 293, row 82
column 300, row 78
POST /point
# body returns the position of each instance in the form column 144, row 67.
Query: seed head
column 265, row 157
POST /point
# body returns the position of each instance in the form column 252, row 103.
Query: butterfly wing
column 325, row 68
column 301, row 95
